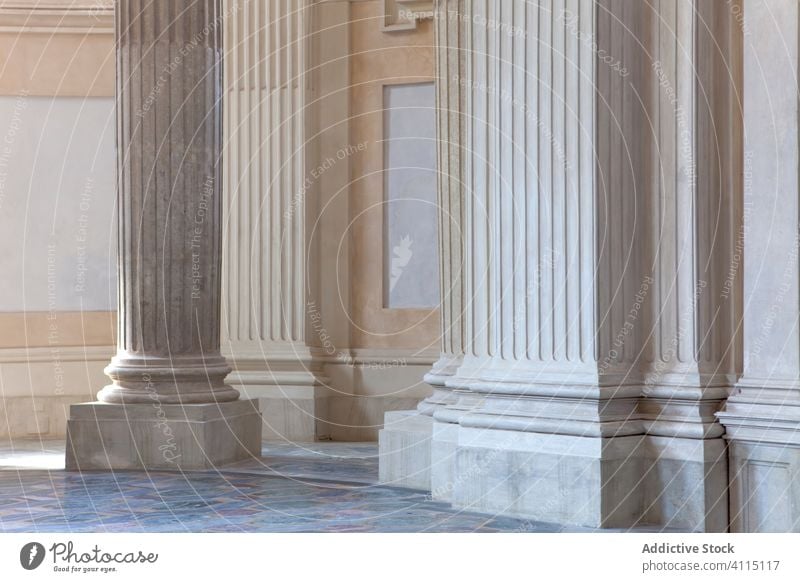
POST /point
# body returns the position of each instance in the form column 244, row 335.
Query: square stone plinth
column 161, row 437
column 563, row 479
column 685, row 484
column 405, row 450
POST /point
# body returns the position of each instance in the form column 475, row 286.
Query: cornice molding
column 401, row 15
column 57, row 16
column 37, row 355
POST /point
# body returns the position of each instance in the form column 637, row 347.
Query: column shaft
column 169, row 92
column 271, row 191
column 691, row 355
column 411, row 454
column 448, row 27
column 266, row 157
column 553, row 267
column 694, row 213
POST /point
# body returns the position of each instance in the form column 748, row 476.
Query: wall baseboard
column 37, row 386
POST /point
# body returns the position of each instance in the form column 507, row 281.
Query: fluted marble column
column 762, row 416
column 692, row 353
column 407, row 446
column 170, row 182
column 450, row 402
column 271, row 188
column 168, row 405
column 450, row 130
column 695, row 209
column 554, row 158
column 600, row 195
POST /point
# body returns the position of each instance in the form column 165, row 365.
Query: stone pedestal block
column 569, row 480
column 293, row 397
column 405, row 450
column 296, row 415
column 762, row 422
column 444, row 445
column 161, row 437
column 764, row 487
column 686, row 484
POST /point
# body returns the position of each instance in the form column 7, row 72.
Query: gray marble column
column 168, row 407
column 169, row 90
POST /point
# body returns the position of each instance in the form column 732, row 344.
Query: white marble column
column 600, row 158
column 554, row 157
column 450, row 131
column 406, row 441
column 601, row 287
column 168, row 376
column 457, row 66
column 762, row 417
column 693, row 353
column 270, row 193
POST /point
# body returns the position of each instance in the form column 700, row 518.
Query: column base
column 405, row 450
column 765, row 487
column 294, row 414
column 563, row 479
column 763, row 434
column 289, row 385
column 444, row 446
column 161, row 437
column 619, row 482
column 686, row 484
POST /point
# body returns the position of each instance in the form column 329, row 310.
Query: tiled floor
column 325, row 487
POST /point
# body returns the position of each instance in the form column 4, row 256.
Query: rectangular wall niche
column 411, row 262
column 57, row 198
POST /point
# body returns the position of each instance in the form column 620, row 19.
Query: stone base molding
column 597, row 482
column 289, row 382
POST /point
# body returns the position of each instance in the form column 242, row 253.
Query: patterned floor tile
column 324, row 487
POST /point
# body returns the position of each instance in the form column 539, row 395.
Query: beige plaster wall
column 53, row 55
column 377, row 59
column 49, row 359
column 57, row 48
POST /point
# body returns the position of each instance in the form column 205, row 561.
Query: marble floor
column 323, row 487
